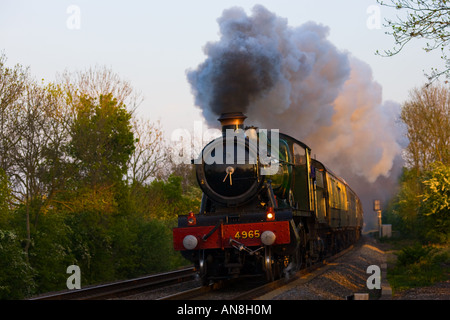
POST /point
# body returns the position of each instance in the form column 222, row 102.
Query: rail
column 121, row 288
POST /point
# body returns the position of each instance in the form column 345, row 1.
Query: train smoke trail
column 242, row 67
column 296, row 80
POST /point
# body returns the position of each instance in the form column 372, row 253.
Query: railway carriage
column 264, row 212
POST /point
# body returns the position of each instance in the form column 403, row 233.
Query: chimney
column 232, row 120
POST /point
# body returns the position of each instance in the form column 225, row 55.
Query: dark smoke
column 244, row 75
column 242, row 67
column 296, row 80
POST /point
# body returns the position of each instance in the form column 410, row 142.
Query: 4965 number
column 247, row 234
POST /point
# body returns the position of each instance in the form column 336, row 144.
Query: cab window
column 299, row 154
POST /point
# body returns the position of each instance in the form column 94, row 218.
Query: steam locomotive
column 264, row 213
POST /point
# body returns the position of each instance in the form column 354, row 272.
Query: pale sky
column 152, row 43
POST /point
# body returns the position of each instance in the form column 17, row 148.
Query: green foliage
column 402, row 211
column 156, row 253
column 5, row 195
column 16, row 274
column 436, row 195
column 435, row 206
column 421, row 209
column 166, row 199
column 419, row 266
column 102, row 139
column 51, row 253
column 413, row 254
column 91, row 245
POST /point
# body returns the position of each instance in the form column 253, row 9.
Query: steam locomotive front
column 240, row 213
column 228, row 167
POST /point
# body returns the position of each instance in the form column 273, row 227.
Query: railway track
column 122, row 288
column 308, row 274
column 214, row 291
column 243, row 290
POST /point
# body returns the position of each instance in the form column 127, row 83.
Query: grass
column 419, row 266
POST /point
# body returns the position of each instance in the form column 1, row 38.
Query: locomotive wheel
column 299, row 257
column 271, row 265
column 203, row 268
column 268, row 263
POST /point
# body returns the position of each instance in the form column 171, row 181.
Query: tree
column 101, row 140
column 425, row 19
column 38, row 142
column 12, row 88
column 403, row 209
column 150, row 155
column 97, row 81
column 422, row 208
column 427, row 118
column 55, row 169
column 16, row 275
column 5, row 195
column 435, row 202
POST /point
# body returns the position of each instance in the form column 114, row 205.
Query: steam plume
column 296, row 80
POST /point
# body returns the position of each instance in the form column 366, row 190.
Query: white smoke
column 363, row 136
column 294, row 79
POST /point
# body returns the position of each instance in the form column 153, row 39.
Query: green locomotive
column 267, row 207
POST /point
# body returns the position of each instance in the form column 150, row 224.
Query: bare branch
column 428, row 20
column 149, row 155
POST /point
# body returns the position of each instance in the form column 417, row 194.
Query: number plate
column 250, row 234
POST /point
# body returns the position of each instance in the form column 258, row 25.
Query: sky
column 152, row 44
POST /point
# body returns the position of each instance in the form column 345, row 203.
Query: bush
column 413, row 254
column 156, row 247
column 435, row 204
column 419, row 266
column 421, row 209
column 16, row 275
column 50, row 253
